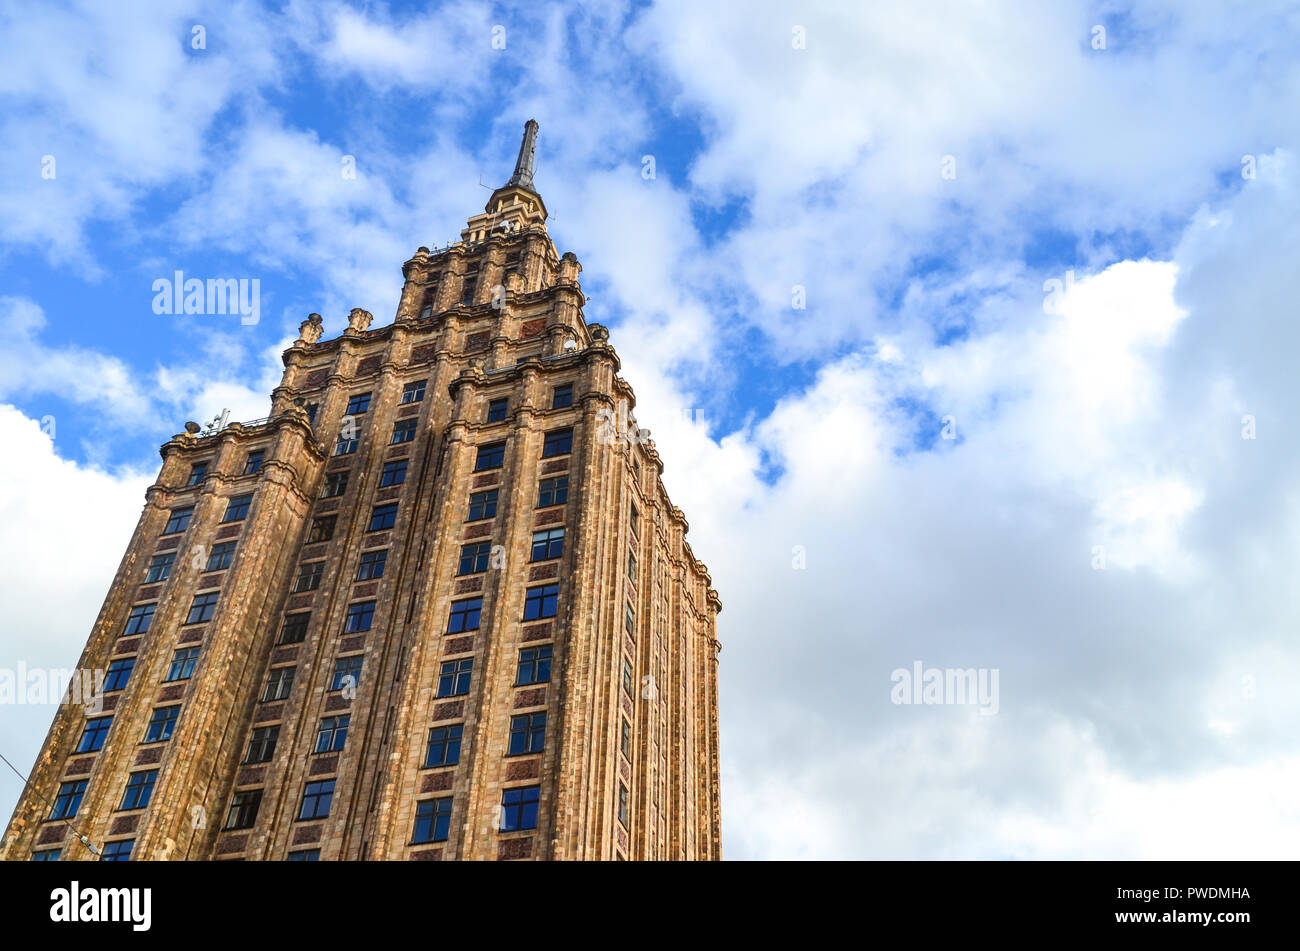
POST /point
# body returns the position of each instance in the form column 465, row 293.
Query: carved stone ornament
column 309, row 330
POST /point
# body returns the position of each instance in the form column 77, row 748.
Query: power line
column 81, row 837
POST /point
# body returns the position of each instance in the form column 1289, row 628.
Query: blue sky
column 916, row 175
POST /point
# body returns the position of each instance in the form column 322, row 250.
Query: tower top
column 523, row 176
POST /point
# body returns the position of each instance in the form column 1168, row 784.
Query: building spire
column 523, row 176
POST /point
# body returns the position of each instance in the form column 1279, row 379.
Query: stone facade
column 615, row 753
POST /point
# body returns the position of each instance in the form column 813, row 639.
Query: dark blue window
column 316, row 799
column 497, row 410
column 237, row 508
column 553, row 492
column 413, row 392
column 547, row 544
column 119, row 851
column 178, row 521
column 403, row 431
column 444, row 746
column 541, row 601
column 47, row 855
column 139, row 790
column 294, row 630
column 182, row 665
column 119, row 672
column 490, row 457
column 474, row 558
column 563, row 396
column 454, row 676
column 534, row 665
column 558, row 443
column 223, row 553
column 372, row 564
column 160, row 567
column 347, row 672
column 92, row 737
column 254, row 461
column 394, row 473
column 161, row 724
column 482, row 505
column 68, row 801
column 383, row 516
column 527, row 734
column 519, row 808
column 140, row 618
column 432, row 820
column 202, row 608
column 198, row 472
column 358, row 404
column 360, row 616
column 305, row 855
column 332, row 733
column 464, row 615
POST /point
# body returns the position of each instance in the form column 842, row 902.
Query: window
column 453, row 678
column 243, row 809
column 534, row 665
column 467, row 287
column 47, row 855
column 254, row 461
column 629, row 620
column 178, row 521
column 162, row 723
column 360, row 616
column 562, row 397
column 311, row 412
column 68, row 801
column 527, row 734
column 553, row 492
column 237, row 508
column 464, row 615
column 336, row 483
column 444, row 746
column 347, row 672
column 548, row 544
column 261, row 746
column 497, row 410
column 383, row 516
column 294, row 629
column 202, row 608
column 316, row 799
column 278, row 684
column 198, row 472
column 322, row 529
column 182, row 665
column 119, row 672
column 346, row 444
column 627, row 676
column 559, row 443
column 119, row 851
column 357, row 405
column 222, row 554
column 332, row 734
column 160, row 567
column 541, row 601
column 482, row 505
column 138, row 621
column 414, row 392
column 622, row 805
column 403, row 431
column 139, row 789
column 394, row 473
column 92, row 736
column 631, row 567
column 625, row 737
column 474, row 558
column 305, row 855
column 519, row 808
column 432, row 820
column 309, row 576
column 372, row 564
column 490, row 457
column 634, row 518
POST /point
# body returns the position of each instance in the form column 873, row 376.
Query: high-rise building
column 437, row 606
